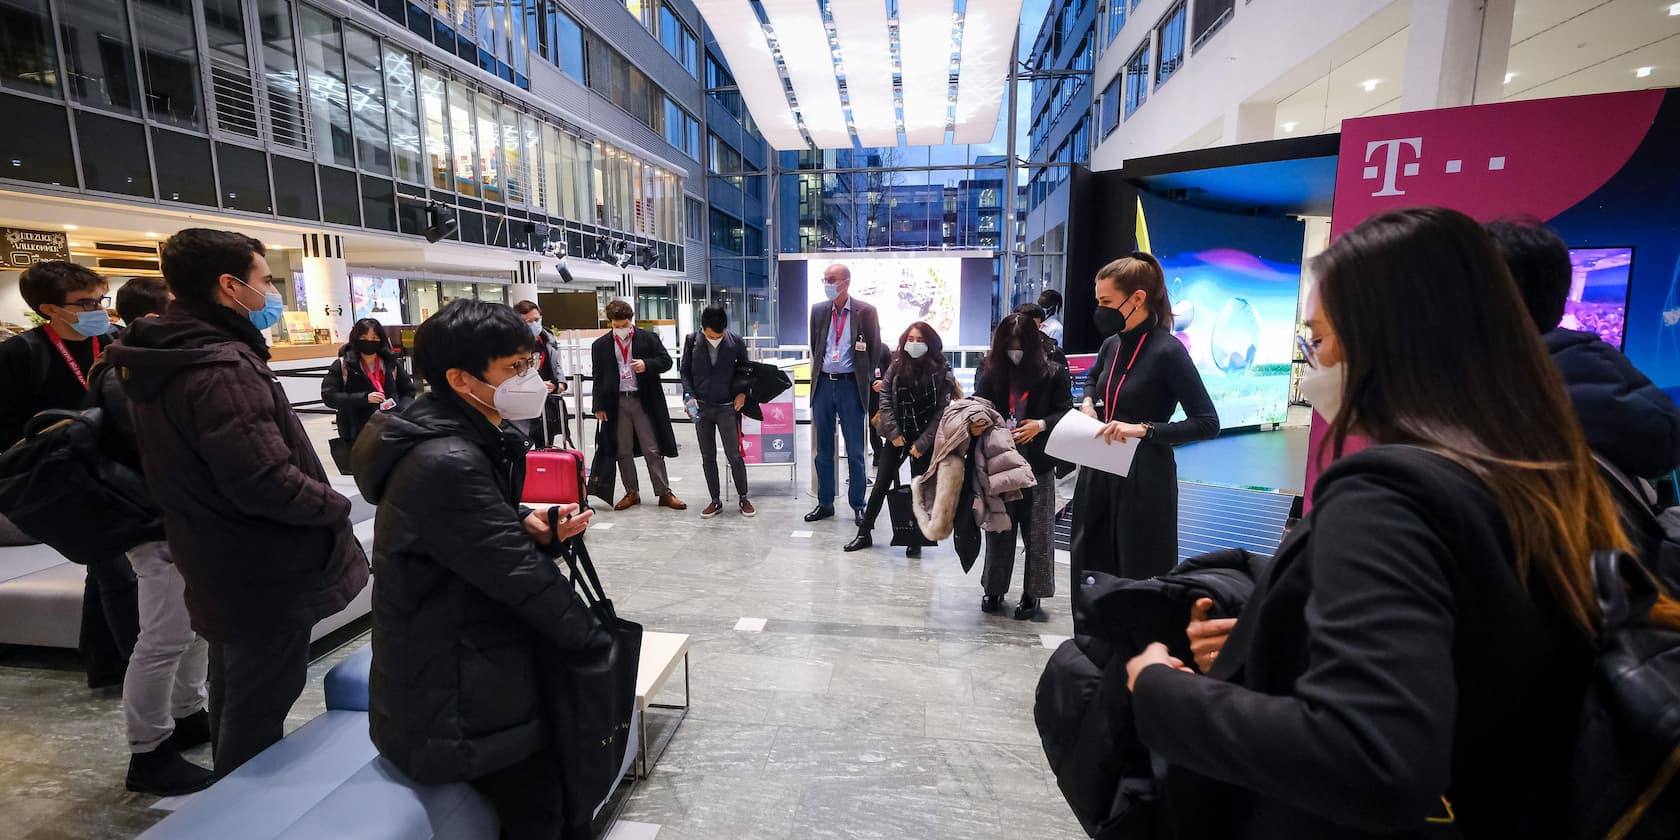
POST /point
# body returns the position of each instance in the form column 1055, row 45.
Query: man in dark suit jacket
column 629, row 400
column 845, row 344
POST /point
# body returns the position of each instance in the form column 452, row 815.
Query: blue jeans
column 837, row 399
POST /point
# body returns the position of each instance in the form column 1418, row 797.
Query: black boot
column 914, row 552
column 991, row 604
column 1029, row 609
column 190, row 731
column 859, row 542
column 163, row 772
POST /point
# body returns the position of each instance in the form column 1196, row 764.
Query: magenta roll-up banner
column 1603, row 170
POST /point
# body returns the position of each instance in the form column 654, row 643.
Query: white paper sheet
column 1075, row 441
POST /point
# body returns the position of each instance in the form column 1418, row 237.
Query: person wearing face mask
column 261, row 539
column 470, row 606
column 49, row 367
column 1050, row 301
column 1128, row 525
column 630, row 404
column 845, row 338
column 916, row 387
column 366, row 378
column 1032, row 392
column 557, row 421
column 708, row 378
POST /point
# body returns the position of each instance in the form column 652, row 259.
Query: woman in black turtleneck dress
column 1128, row 526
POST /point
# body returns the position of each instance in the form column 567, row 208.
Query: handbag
column 901, row 508
column 602, row 479
column 339, row 448
column 555, row 475
column 591, row 695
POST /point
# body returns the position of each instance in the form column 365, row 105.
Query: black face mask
column 1110, row 321
column 369, row 346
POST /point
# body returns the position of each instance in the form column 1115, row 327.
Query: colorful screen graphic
column 1598, row 292
column 904, row 290
column 1234, row 282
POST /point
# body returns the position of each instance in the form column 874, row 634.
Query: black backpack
column 1654, row 529
column 1625, row 776
column 58, row 486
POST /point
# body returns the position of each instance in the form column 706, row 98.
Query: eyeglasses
column 1309, row 349
column 520, row 367
column 89, row 304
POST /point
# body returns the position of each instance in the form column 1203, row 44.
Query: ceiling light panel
column 987, row 45
column 866, row 53
column 803, row 39
column 924, row 47
column 744, row 46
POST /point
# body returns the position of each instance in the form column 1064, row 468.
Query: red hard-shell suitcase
column 555, row 476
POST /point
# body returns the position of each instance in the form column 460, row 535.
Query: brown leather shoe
column 671, row 501
column 713, row 509
column 629, row 501
column 747, row 509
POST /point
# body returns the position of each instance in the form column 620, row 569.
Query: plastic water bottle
column 693, row 408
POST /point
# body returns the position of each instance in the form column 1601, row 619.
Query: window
column 695, row 212
column 513, row 158
column 405, row 119
column 1137, row 79
column 117, row 162
column 567, row 43
column 555, row 176
column 329, row 102
column 1171, row 33
column 184, row 172
column 726, row 233
column 678, row 40
column 280, row 70
column 1210, row 16
column 681, row 130
column 1110, row 107
column 724, row 158
column 490, row 172
column 169, row 64
column 99, row 55
column 1116, row 17
column 29, row 60
column 535, row 176
column 245, row 179
column 230, row 68
column 367, row 101
column 465, row 160
column 437, row 131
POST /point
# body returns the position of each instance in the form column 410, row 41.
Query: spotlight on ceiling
column 646, row 256
column 1642, row 72
column 626, row 256
column 440, row 222
column 1370, row 84
column 564, row 272
column 604, row 250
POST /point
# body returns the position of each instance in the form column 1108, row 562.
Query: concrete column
column 685, row 309
column 1456, row 53
column 525, row 282
column 1251, row 122
column 326, row 282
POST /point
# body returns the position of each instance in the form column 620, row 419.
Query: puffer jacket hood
column 156, row 350
column 391, row 436
column 1628, row 420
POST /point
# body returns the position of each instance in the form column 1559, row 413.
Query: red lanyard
column 1017, row 402
column 71, row 360
column 1108, row 405
column 839, row 326
column 624, row 347
column 376, row 375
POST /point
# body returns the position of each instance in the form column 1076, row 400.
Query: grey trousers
column 635, row 425
column 721, row 421
column 1035, row 517
column 165, row 678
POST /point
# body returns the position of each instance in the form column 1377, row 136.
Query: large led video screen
column 1235, row 284
column 1598, row 292
column 904, row 290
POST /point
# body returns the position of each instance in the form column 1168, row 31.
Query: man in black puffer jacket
column 1628, row 420
column 466, row 602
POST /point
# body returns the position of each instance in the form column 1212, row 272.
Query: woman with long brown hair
column 915, row 388
column 1032, row 392
column 1420, row 647
column 1128, row 525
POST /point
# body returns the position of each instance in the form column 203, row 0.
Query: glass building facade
column 283, row 109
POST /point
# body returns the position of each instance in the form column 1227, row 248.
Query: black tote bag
column 603, row 471
column 591, row 695
column 906, row 531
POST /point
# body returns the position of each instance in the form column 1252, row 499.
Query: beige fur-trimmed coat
column 1000, row 473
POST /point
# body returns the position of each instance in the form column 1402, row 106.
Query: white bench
column 660, row 654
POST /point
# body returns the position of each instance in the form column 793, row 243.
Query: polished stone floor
column 876, row 700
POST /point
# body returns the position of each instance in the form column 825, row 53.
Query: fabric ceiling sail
column 739, row 35
column 803, row 39
column 866, row 54
column 924, row 48
column 983, row 71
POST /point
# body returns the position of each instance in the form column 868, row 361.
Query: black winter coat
column 646, row 346
column 463, row 599
column 1389, row 657
column 1046, row 400
column 347, row 385
column 1627, row 419
column 261, row 538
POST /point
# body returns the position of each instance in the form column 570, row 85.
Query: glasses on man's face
column 89, row 304
column 520, row 367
